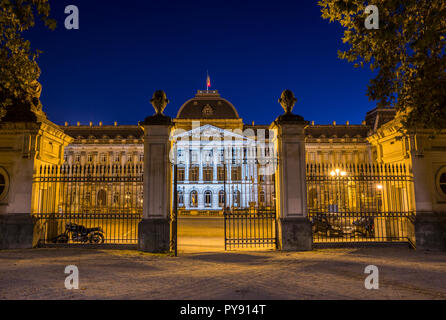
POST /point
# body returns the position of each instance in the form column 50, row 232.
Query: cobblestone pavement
column 321, row 274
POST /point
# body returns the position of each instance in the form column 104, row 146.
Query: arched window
column 442, row 182
column 194, row 199
column 236, row 199
column 116, row 200
column 180, row 195
column 208, row 199
column 221, row 198
column 128, row 198
column 4, row 183
column 102, row 198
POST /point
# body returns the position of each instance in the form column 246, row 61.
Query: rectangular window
column 236, row 173
column 194, row 173
column 78, row 158
column 180, row 174
column 103, row 158
column 194, row 157
column 208, row 173
column 221, row 173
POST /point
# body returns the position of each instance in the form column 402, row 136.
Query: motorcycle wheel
column 97, row 238
column 63, row 238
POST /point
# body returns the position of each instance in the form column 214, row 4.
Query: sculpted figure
column 35, row 90
column 159, row 101
column 287, row 101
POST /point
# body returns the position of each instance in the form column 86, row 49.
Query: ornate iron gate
column 88, row 204
column 360, row 203
column 250, row 211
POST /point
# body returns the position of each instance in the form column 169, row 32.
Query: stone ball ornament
column 287, row 101
column 159, row 101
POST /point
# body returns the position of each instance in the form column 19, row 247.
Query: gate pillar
column 28, row 140
column 293, row 228
column 154, row 229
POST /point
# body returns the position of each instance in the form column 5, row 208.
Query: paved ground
column 321, row 274
column 201, row 233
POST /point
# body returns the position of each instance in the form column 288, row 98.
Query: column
column 154, row 228
column 294, row 228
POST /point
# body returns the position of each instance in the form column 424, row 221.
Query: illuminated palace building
column 212, row 173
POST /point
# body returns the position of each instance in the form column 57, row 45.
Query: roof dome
column 207, row 105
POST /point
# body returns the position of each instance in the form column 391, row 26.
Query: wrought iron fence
column 88, row 204
column 360, row 203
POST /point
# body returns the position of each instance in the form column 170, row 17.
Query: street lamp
column 338, row 172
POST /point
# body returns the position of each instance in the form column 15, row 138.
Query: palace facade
column 208, row 164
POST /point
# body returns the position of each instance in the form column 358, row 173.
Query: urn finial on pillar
column 287, row 100
column 159, row 102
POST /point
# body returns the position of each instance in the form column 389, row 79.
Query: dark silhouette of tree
column 407, row 51
column 19, row 70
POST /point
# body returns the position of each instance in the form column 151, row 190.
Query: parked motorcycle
column 320, row 224
column 331, row 226
column 80, row 234
column 365, row 226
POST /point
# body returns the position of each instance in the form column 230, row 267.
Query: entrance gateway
column 270, row 187
column 229, row 176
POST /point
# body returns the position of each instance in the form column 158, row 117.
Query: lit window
column 117, row 158
column 103, row 158
column 77, row 158
column 102, row 198
column 116, row 198
column 90, row 158
column 208, row 173
column 180, row 174
column 236, row 173
column 221, row 173
column 208, row 199
column 236, row 198
column 221, row 198
column 194, row 199
column 141, row 157
column 180, row 198
column 194, row 173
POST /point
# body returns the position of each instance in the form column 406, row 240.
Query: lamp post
column 337, row 174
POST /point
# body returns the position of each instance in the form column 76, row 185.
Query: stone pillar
column 294, row 228
column 430, row 220
column 27, row 141
column 154, row 229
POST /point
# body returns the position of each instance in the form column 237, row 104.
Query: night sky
column 125, row 50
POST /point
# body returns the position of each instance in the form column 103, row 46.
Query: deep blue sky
column 125, row 50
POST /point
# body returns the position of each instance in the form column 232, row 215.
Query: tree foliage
column 407, row 51
column 19, row 70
